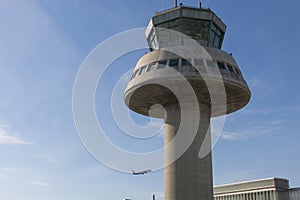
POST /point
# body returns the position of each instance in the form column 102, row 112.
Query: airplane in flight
column 141, row 172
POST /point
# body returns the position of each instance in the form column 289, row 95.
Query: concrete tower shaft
column 189, row 178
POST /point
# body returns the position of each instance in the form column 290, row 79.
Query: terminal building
column 264, row 189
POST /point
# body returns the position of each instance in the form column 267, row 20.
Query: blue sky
column 42, row 45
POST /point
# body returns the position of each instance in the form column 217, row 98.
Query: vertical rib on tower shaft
column 189, row 177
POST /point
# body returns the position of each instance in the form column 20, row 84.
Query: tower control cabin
column 178, row 29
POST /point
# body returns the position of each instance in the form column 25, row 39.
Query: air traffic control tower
column 189, row 177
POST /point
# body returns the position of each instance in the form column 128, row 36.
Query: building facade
column 264, row 189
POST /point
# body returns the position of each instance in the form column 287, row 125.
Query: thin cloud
column 251, row 133
column 6, row 137
column 39, row 183
column 290, row 108
column 242, row 135
column 47, row 158
column 9, row 169
column 271, row 110
column 264, row 111
column 254, row 82
column 276, row 122
column 258, row 84
column 230, row 135
column 239, row 176
column 262, row 87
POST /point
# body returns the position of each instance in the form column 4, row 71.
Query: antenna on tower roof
column 175, row 2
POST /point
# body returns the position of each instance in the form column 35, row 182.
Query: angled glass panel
column 143, row 70
column 221, row 65
column 151, row 66
column 174, row 62
column 185, row 62
column 161, row 64
column 230, row 68
column 135, row 74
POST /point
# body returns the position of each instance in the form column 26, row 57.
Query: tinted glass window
column 215, row 37
column 217, row 41
column 143, row 70
column 151, row 66
column 135, row 74
column 230, row 68
column 161, row 64
column 152, row 40
column 195, row 28
column 174, row 62
column 221, row 65
column 213, row 27
column 185, row 62
column 237, row 71
column 212, row 36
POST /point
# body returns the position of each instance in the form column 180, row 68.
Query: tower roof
column 201, row 24
column 190, row 12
